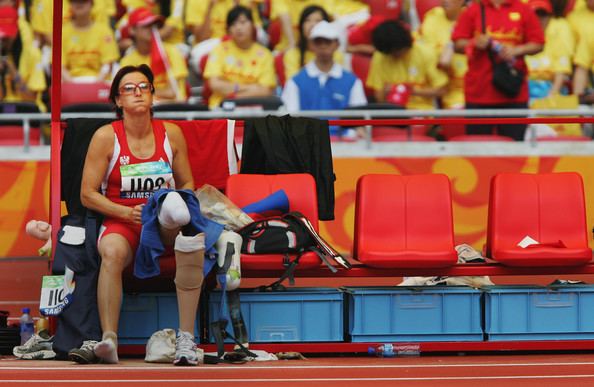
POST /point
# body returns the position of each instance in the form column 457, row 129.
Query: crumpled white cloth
column 160, row 347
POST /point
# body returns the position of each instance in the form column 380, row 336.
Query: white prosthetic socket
column 229, row 254
column 189, row 261
column 174, row 212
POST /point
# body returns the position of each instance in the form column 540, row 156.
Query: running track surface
column 569, row 370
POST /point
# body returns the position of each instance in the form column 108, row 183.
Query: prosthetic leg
column 229, row 258
column 189, row 275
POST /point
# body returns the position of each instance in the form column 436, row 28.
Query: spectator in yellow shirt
column 400, row 63
column 206, row 19
column 436, row 31
column 549, row 69
column 142, row 20
column 89, row 49
column 239, row 67
column 21, row 75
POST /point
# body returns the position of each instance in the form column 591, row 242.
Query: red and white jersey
column 130, row 180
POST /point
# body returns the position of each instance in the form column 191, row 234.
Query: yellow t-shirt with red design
column 229, row 62
column 179, row 69
column 435, row 31
column 85, row 51
column 196, row 14
column 557, row 54
column 417, row 67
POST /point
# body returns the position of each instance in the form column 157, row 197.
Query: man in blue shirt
column 323, row 84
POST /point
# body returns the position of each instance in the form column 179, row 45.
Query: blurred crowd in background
column 323, row 54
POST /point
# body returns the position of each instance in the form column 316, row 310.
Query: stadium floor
column 490, row 370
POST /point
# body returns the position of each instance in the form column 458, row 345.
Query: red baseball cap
column 144, row 17
column 544, row 5
column 8, row 22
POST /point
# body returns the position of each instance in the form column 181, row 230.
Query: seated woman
column 239, row 67
column 127, row 164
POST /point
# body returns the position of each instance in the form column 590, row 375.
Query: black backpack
column 291, row 233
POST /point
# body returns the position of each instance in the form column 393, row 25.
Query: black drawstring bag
column 506, row 78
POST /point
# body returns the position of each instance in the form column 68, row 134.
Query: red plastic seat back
column 396, row 213
column 244, row 189
column 91, row 92
column 279, row 67
column 547, row 207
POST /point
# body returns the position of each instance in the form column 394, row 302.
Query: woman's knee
column 115, row 252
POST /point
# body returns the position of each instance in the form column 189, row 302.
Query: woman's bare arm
column 96, row 164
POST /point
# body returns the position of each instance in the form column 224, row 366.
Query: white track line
column 97, row 367
column 260, row 380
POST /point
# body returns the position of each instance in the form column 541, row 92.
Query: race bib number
column 56, row 293
column 142, row 180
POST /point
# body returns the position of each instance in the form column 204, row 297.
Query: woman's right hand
column 135, row 214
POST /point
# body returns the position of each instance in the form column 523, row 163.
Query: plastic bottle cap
column 26, row 310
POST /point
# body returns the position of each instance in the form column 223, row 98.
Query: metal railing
column 383, row 117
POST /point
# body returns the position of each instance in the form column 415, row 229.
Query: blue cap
column 26, row 310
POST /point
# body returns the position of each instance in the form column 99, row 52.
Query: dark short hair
column 114, row 91
column 236, row 12
column 391, row 35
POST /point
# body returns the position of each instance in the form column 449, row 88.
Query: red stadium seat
column 13, row 135
column 480, row 137
column 88, row 92
column 548, row 208
column 404, row 221
column 279, row 67
column 274, row 32
column 360, row 66
column 387, row 133
column 425, row 5
column 390, row 9
column 564, row 138
column 244, row 189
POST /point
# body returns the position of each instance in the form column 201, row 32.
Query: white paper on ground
column 527, row 241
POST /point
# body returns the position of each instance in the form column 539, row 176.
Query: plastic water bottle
column 497, row 47
column 27, row 325
column 382, row 350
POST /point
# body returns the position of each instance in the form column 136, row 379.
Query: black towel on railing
column 77, row 136
column 277, row 145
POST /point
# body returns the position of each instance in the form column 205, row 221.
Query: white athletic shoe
column 186, row 353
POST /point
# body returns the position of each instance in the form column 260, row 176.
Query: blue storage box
column 143, row 314
column 403, row 314
column 539, row 313
column 294, row 315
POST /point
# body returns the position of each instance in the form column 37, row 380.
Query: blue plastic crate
column 402, row 314
column 143, row 314
column 539, row 313
column 294, row 315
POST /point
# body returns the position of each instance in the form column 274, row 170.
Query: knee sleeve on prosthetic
column 229, row 254
column 189, row 261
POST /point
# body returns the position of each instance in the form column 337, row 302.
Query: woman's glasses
column 130, row 88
